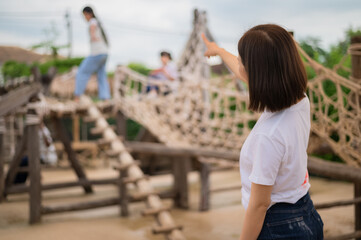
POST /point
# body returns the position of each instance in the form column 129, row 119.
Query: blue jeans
column 89, row 66
column 292, row 221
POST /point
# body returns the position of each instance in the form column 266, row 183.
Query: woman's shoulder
column 93, row 21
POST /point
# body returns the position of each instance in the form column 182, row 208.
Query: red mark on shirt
column 306, row 180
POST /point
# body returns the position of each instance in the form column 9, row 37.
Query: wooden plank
column 64, row 138
column 18, row 97
column 34, row 172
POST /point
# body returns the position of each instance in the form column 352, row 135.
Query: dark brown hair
column 276, row 74
column 89, row 10
column 164, row 53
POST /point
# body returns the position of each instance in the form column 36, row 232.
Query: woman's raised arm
column 231, row 60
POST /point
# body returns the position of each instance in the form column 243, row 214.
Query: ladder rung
column 154, row 211
column 127, row 180
column 166, row 229
column 113, row 153
column 142, row 195
column 124, row 166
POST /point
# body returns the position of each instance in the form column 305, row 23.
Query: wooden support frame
column 64, row 138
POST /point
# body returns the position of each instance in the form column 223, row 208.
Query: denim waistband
column 303, row 204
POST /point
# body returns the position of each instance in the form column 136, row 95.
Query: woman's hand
column 212, row 48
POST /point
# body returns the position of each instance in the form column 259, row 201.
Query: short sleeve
column 266, row 155
column 93, row 22
column 172, row 70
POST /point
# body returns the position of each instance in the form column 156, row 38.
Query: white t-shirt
column 97, row 47
column 275, row 154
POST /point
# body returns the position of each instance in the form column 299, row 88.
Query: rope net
column 212, row 113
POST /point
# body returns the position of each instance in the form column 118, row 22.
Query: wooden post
column 356, row 75
column 121, row 124
column 76, row 129
column 32, row 122
column 124, row 212
column 204, row 175
column 2, row 181
column 64, row 138
column 180, row 175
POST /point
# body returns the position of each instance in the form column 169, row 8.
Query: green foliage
column 62, row 65
column 140, row 68
column 13, row 69
column 332, row 57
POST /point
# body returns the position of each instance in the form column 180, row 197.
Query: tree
column 49, row 44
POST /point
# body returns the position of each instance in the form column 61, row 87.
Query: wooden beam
column 22, row 188
column 18, row 97
column 337, row 171
column 161, row 149
column 315, row 165
column 80, row 206
column 2, row 179
column 338, row 203
column 64, row 138
column 348, row 236
column 34, row 168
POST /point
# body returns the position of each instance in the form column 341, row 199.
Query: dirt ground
column 222, row 221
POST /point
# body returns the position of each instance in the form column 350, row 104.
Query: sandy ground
column 223, row 221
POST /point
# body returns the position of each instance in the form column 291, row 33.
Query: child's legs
column 103, row 85
column 88, row 66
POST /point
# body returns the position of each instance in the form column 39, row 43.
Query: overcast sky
column 139, row 29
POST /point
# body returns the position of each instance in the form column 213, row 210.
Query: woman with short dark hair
column 95, row 63
column 273, row 159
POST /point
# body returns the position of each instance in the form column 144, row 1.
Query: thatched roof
column 20, row 55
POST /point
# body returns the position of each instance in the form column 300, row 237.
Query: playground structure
column 205, row 118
